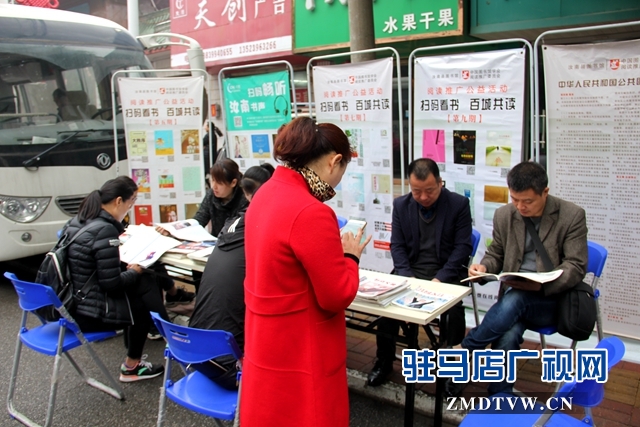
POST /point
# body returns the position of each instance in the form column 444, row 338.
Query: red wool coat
column 297, row 285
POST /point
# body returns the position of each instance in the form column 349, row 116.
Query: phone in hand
column 355, row 225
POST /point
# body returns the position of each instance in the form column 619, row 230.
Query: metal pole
column 361, row 32
column 133, row 18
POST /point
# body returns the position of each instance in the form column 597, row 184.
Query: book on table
column 143, row 245
column 380, row 291
column 189, row 229
column 518, row 276
column 202, row 255
column 191, row 247
column 423, row 299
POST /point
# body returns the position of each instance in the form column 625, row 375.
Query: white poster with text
column 163, row 124
column 357, row 98
column 468, row 117
column 593, row 122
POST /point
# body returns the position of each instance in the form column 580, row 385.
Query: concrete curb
column 393, row 394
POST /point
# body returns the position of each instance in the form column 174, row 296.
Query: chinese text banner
column 255, row 107
column 468, row 117
column 593, row 123
column 163, row 123
column 357, row 98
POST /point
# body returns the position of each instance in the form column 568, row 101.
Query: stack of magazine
column 379, row 291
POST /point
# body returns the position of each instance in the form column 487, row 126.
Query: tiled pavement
column 621, row 406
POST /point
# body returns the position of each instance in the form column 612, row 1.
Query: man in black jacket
column 431, row 240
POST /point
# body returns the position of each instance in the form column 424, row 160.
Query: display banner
column 593, row 122
column 255, row 107
column 163, row 123
column 468, row 115
column 357, row 98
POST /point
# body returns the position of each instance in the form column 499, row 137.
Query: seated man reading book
column 562, row 228
column 430, row 239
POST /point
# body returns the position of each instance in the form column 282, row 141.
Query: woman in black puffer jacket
column 120, row 297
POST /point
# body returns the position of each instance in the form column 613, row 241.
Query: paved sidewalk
column 621, row 406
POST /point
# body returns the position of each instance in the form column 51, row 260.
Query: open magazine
column 423, row 299
column 510, row 276
column 143, row 245
column 191, row 247
column 189, row 229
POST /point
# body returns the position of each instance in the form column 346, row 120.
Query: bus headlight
column 23, row 209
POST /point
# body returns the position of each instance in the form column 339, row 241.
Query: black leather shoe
column 452, row 389
column 379, row 373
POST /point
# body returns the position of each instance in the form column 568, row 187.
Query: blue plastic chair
column 195, row 391
column 595, row 264
column 53, row 339
column 587, row 394
column 475, row 241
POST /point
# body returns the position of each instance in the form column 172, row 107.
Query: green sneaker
column 143, row 371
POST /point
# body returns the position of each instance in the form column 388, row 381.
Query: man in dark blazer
column 562, row 228
column 430, row 239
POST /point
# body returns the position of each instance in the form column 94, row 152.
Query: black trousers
column 143, row 298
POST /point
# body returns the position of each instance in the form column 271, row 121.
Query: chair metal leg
column 543, row 341
column 236, row 418
column 115, row 390
column 599, row 321
column 163, row 391
column 475, row 303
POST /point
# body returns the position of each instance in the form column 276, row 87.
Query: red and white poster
column 357, row 98
column 228, row 30
column 593, row 123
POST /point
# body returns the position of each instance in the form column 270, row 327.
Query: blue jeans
column 505, row 323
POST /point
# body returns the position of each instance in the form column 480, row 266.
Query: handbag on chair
column 577, row 311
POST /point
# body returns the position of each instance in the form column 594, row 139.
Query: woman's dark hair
column 254, row 177
column 122, row 186
column 527, row 175
column 303, row 141
column 225, row 170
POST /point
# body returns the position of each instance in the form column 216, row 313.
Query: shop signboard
column 320, row 24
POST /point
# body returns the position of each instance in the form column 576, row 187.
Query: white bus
column 56, row 124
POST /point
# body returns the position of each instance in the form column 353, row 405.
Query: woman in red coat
column 300, row 277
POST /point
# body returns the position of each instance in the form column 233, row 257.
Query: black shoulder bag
column 577, row 309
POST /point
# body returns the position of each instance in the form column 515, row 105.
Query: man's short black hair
column 422, row 168
column 527, row 175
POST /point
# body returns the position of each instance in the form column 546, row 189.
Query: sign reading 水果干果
column 319, row 23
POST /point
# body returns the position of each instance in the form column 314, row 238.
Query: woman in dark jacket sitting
column 220, row 301
column 120, row 297
column 225, row 199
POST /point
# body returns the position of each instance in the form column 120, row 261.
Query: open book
column 535, row 277
column 143, row 245
column 188, row 229
column 423, row 299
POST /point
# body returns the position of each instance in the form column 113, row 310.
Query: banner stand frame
column 292, row 89
column 413, row 56
column 537, row 45
column 194, row 73
column 398, row 84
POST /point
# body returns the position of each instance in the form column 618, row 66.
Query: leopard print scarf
column 319, row 188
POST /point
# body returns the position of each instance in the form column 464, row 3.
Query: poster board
column 592, row 93
column 163, row 130
column 255, row 107
column 468, row 112
column 358, row 99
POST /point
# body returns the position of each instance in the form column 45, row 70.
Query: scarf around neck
column 319, row 188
